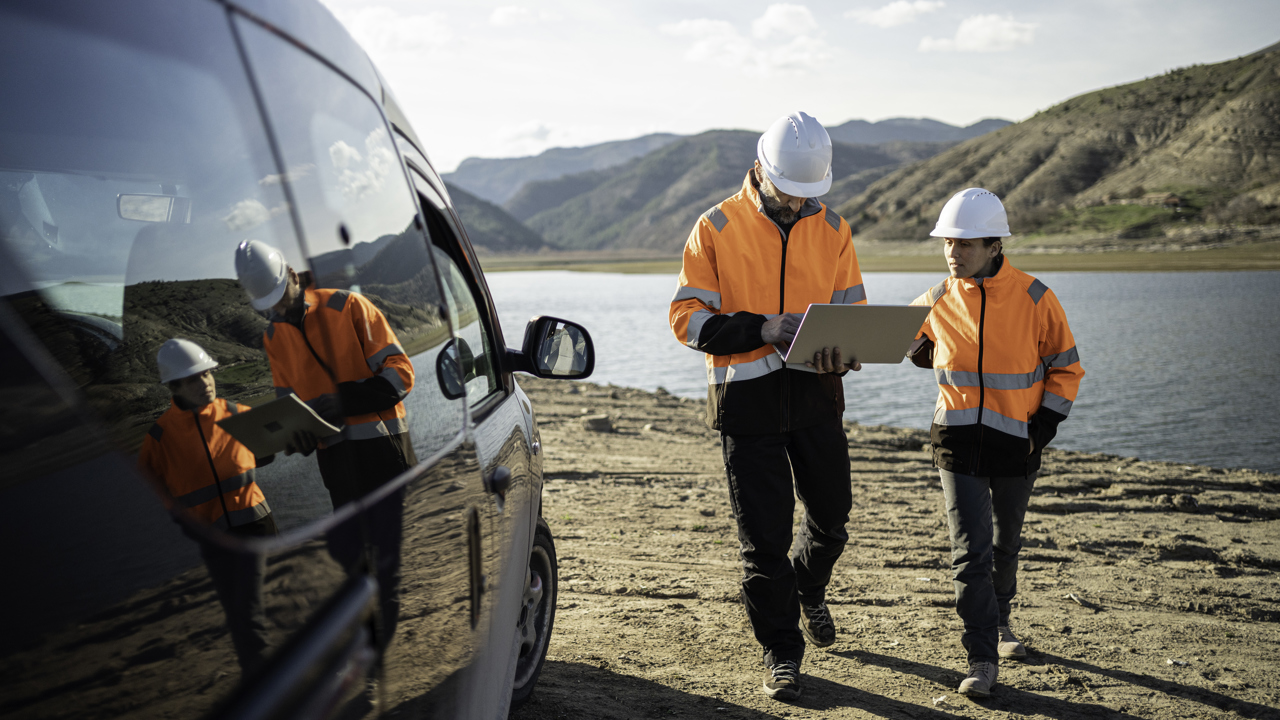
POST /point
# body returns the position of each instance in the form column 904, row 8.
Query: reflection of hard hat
column 796, row 154
column 970, row 214
column 180, row 358
column 263, row 273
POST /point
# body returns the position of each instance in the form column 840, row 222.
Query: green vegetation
column 1094, row 165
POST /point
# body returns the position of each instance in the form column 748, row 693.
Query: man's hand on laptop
column 828, row 360
column 781, row 329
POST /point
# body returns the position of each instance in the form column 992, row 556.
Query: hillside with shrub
column 1197, row 147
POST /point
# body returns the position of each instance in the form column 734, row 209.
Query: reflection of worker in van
column 335, row 350
column 210, row 475
column 564, row 350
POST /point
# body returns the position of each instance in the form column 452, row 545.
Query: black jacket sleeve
column 367, row 396
column 1043, row 426
column 729, row 334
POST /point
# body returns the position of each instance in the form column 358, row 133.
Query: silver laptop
column 867, row 333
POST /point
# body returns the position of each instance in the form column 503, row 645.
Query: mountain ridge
column 1195, row 145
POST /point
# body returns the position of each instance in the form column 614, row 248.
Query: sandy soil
column 1148, row 589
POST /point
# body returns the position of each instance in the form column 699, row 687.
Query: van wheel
column 537, row 614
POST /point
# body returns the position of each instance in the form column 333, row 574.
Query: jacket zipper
column 195, row 414
column 982, row 384
column 782, row 308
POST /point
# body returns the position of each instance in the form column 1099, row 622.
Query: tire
column 537, row 615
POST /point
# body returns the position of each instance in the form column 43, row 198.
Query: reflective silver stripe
column 990, row 418
column 210, row 492
column 849, row 296
column 955, row 378
column 710, row 298
column 282, row 391
column 717, row 218
column 244, row 516
column 745, row 371
column 338, row 300
column 936, row 292
column 1037, row 290
column 233, row 408
column 376, row 361
column 995, row 381
column 1013, row 381
column 1056, row 403
column 943, row 416
column 156, row 431
column 1062, row 359
column 696, row 321
column 377, row 429
column 394, row 378
column 993, row 419
column 833, row 219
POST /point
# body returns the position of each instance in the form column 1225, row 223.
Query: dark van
column 163, row 562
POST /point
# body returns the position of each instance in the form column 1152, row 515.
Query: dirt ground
column 1147, row 589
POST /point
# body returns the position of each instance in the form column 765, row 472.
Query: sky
column 494, row 79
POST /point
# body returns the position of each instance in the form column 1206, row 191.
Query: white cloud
column 250, row 213
column 899, row 12
column 718, row 42
column 382, row 31
column 784, row 20
column 358, row 176
column 714, row 41
column 509, row 15
column 983, row 33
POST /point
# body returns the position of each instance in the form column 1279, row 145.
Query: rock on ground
column 1172, row 563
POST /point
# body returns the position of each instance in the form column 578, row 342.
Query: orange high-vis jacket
column 205, row 470
column 344, row 339
column 739, row 271
column 1007, row 371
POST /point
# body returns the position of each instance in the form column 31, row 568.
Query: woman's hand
column 828, row 360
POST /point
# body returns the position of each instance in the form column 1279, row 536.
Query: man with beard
column 752, row 266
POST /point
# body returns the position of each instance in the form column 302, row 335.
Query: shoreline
column 1029, row 255
column 1147, row 589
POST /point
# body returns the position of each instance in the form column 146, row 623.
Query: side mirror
column 555, row 348
column 154, row 208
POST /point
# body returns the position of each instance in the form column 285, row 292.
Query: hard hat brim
column 962, row 234
column 804, row 190
column 266, row 302
column 194, row 370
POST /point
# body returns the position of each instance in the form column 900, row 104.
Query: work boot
column 816, row 624
column 1010, row 647
column 782, row 680
column 982, row 677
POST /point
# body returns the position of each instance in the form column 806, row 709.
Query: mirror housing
column 554, row 348
column 154, row 208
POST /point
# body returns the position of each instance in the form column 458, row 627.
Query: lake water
column 1179, row 366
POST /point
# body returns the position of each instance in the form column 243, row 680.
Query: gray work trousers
column 984, row 515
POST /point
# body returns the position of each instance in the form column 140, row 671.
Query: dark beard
column 776, row 211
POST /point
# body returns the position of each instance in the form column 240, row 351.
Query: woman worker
column 1007, row 371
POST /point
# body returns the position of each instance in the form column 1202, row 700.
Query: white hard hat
column 972, row 213
column 263, row 273
column 795, row 152
column 180, row 358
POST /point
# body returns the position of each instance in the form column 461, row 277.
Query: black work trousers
column 984, row 515
column 760, row 469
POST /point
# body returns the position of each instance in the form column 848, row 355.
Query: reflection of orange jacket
column 1007, row 371
column 345, row 346
column 739, row 270
column 205, row 470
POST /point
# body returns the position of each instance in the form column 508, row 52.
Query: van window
column 359, row 222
